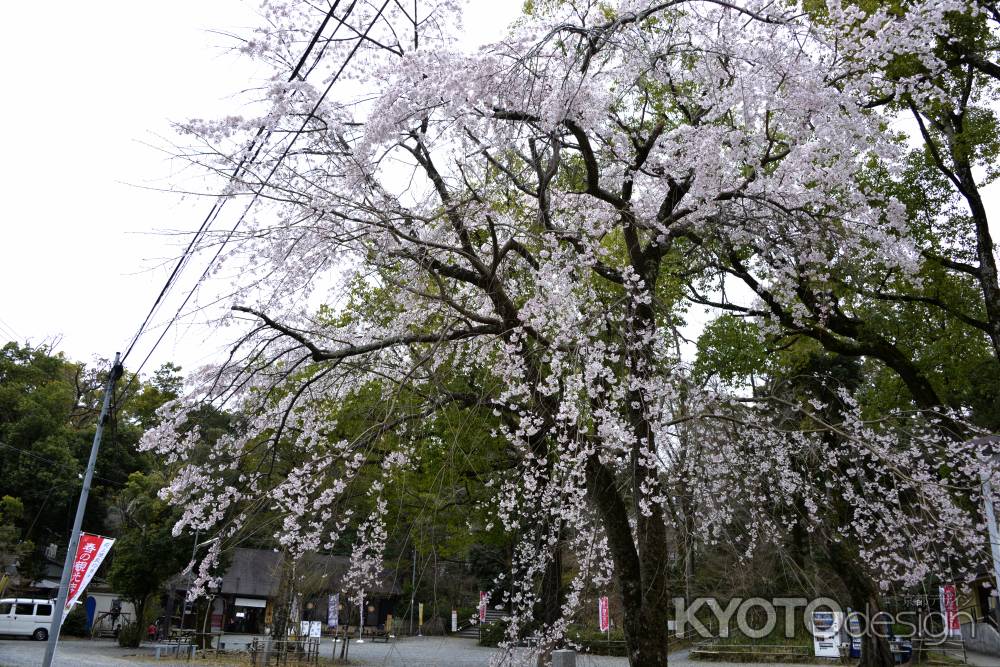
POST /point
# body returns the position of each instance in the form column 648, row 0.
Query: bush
column 433, row 626
column 75, row 624
column 595, row 642
column 131, row 634
column 493, row 633
column 464, row 614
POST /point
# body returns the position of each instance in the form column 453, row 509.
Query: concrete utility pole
column 74, row 540
column 991, row 521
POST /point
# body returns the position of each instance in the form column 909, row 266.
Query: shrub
column 131, row 634
column 75, row 624
column 595, row 642
column 493, row 633
column 433, row 626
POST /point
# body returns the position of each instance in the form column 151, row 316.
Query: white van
column 26, row 617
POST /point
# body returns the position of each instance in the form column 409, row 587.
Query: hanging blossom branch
column 498, row 232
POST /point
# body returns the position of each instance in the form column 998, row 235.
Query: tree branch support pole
column 184, row 603
column 74, row 541
column 413, row 592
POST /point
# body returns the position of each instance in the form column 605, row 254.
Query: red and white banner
column 949, row 609
column 482, row 606
column 603, row 615
column 90, row 552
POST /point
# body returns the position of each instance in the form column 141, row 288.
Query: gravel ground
column 409, row 652
column 412, row 652
column 72, row 652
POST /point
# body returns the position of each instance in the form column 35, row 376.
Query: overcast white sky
column 91, row 88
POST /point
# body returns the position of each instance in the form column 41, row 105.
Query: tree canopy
column 514, row 236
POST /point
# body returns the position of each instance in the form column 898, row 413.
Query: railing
column 775, row 651
column 267, row 651
column 107, row 624
column 936, row 651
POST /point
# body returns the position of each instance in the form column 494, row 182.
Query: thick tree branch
column 321, row 354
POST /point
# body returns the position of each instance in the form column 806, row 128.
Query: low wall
column 981, row 637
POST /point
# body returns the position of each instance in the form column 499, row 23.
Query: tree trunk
column 646, row 635
column 551, row 610
column 283, row 600
column 134, row 639
column 875, row 651
column 641, row 572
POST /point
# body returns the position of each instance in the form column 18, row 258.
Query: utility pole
column 991, row 520
column 74, row 541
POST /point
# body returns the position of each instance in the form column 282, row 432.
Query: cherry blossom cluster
column 499, row 229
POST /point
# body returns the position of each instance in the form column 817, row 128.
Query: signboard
column 854, row 632
column 482, row 606
column 602, row 614
column 826, row 627
column 949, row 610
column 90, row 552
column 454, row 620
column 315, row 628
column 303, row 628
column 333, row 611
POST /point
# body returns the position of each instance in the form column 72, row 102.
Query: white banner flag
column 333, row 611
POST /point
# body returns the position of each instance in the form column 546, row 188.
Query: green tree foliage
column 42, row 404
column 146, row 551
column 49, row 407
column 12, row 547
column 730, row 348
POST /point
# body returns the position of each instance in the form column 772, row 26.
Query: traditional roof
column 257, row 573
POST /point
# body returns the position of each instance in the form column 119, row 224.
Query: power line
column 259, row 189
column 27, row 533
column 9, row 330
column 55, row 463
column 220, row 201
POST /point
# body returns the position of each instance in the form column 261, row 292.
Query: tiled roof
column 256, row 573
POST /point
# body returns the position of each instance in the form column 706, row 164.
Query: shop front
column 246, row 615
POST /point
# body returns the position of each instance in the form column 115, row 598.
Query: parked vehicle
column 26, row 617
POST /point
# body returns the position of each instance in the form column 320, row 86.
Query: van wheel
column 40, row 635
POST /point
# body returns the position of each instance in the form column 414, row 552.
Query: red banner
column 482, row 606
column 90, row 552
column 949, row 608
column 603, row 614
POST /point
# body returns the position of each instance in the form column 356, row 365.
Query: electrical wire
column 246, row 161
column 57, row 464
column 8, row 330
column 27, row 533
column 258, row 190
column 213, row 213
